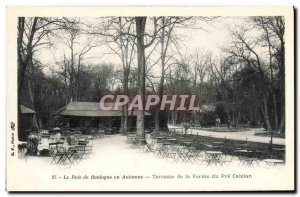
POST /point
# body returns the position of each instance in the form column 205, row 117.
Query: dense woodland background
column 245, row 81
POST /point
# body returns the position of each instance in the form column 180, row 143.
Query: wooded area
column 245, row 81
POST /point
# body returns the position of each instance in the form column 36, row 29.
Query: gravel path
column 241, row 135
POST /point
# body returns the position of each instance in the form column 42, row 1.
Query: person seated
column 43, row 147
column 56, row 137
column 72, row 140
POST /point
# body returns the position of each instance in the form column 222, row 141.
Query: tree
column 164, row 41
column 71, row 36
column 140, row 45
column 273, row 35
column 32, row 32
column 244, row 51
column 123, row 45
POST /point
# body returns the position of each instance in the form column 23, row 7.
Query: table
column 186, row 140
column 188, row 144
column 273, row 162
column 164, row 148
column 244, row 156
column 131, row 137
column 217, row 143
column 43, row 145
column 65, row 153
column 248, row 161
column 243, row 153
column 22, row 150
column 143, row 144
column 172, row 140
column 213, row 157
column 178, row 150
column 109, row 131
column 279, row 149
column 148, row 147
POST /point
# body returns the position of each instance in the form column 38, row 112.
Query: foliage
column 208, row 119
column 245, row 81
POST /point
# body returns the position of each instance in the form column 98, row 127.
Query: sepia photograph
column 150, row 99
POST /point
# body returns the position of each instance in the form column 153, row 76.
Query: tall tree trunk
column 78, row 78
column 238, row 116
column 275, row 111
column 282, row 123
column 272, row 82
column 140, row 32
column 174, row 117
column 162, row 78
column 122, row 121
column 23, row 61
column 72, row 72
column 31, row 94
column 282, row 80
column 266, row 114
column 126, row 120
column 156, row 119
column 65, row 80
column 125, row 108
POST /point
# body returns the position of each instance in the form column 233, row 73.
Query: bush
column 208, row 119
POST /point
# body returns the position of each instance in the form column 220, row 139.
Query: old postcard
column 150, row 99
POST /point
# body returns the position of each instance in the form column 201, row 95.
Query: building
column 207, row 108
column 27, row 122
column 89, row 114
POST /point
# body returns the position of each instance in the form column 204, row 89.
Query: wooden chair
column 56, row 152
column 82, row 149
column 226, row 160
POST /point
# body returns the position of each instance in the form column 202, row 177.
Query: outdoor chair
column 228, row 149
column 128, row 143
column 169, row 151
column 248, row 161
column 53, row 151
column 159, row 149
column 89, row 145
column 213, row 158
column 196, row 151
column 258, row 154
column 179, row 152
column 225, row 160
column 22, row 151
column 148, row 147
column 189, row 154
column 82, row 149
column 73, row 155
column 134, row 143
column 278, row 153
column 140, row 143
column 182, row 153
column 101, row 134
column 208, row 146
column 57, row 153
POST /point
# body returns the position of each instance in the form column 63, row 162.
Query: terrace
column 169, row 148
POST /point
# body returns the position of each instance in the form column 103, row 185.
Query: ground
column 247, row 135
column 111, row 159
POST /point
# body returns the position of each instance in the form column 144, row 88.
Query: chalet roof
column 26, row 110
column 90, row 109
column 207, row 108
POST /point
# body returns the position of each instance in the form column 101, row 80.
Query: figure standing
column 218, row 121
column 228, row 122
